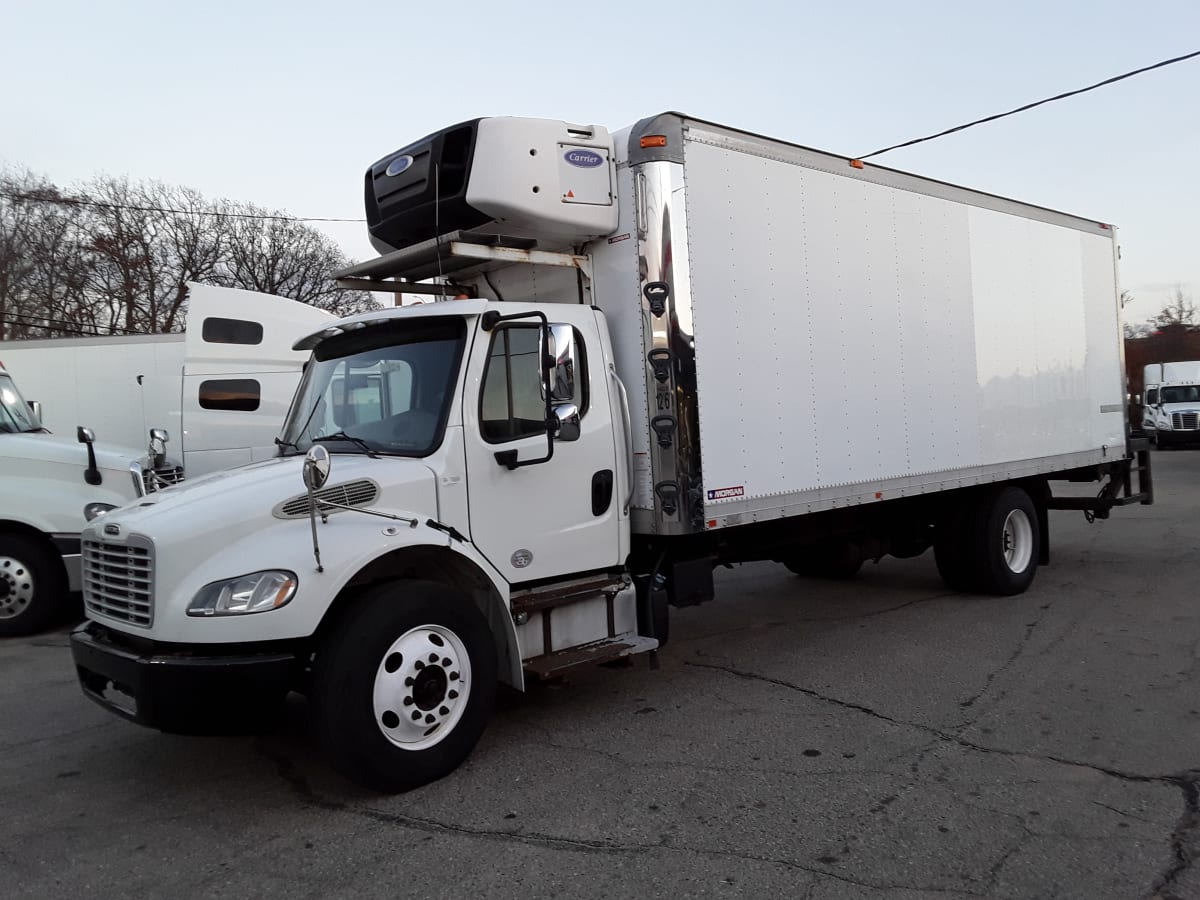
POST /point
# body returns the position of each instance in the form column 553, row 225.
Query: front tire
column 404, row 685
column 33, row 585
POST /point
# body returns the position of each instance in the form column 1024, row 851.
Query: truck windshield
column 1181, row 393
column 385, row 388
column 15, row 415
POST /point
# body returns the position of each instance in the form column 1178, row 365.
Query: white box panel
column 850, row 332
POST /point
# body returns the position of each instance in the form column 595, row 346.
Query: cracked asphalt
column 880, row 738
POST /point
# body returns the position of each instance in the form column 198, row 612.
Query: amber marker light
column 653, row 140
column 857, row 164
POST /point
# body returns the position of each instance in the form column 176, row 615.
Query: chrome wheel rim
column 16, row 587
column 1018, row 540
column 422, row 686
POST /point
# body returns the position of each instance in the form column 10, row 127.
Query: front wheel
column 33, row 585
column 404, row 685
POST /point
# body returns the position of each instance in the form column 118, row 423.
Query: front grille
column 1185, row 421
column 118, row 580
column 352, row 493
column 161, row 477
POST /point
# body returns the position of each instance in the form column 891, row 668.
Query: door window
column 511, row 403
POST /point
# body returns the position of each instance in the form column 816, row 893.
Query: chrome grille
column 352, row 493
column 118, row 580
column 1185, row 421
column 161, row 477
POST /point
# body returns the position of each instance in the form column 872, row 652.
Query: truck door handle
column 602, row 491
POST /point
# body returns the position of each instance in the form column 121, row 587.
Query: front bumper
column 164, row 685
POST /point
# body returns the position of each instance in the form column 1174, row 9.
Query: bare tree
column 1179, row 311
column 116, row 256
column 275, row 255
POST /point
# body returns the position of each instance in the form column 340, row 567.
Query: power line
column 73, row 201
column 53, row 324
column 1027, row 106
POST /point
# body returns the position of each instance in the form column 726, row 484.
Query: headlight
column 95, row 510
column 257, row 592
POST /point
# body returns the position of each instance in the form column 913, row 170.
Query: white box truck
column 1171, row 403
column 221, row 386
column 51, row 485
column 682, row 346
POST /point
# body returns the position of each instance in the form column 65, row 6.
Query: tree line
column 114, row 256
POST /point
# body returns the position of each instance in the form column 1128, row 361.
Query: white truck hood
column 57, row 450
column 227, row 506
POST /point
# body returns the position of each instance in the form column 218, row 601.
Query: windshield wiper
column 280, row 442
column 342, row 436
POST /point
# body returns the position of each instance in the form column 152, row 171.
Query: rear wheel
column 33, row 585
column 404, row 685
column 1005, row 538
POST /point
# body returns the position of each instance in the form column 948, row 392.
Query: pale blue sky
column 285, row 104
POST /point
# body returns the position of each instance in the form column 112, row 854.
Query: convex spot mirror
column 566, row 422
column 316, row 468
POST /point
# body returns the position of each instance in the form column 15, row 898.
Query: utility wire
column 1027, row 106
column 71, row 201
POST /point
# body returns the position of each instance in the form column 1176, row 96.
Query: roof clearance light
column 856, row 164
column 653, row 140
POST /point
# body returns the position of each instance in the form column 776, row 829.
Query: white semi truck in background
column 51, row 485
column 221, row 386
column 1171, row 403
column 682, row 346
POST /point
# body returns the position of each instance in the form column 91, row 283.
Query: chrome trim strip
column 671, row 393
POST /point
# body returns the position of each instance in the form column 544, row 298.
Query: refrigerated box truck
column 682, row 345
column 1171, row 403
column 219, row 388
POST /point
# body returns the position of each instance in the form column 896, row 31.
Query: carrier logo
column 584, row 159
column 398, row 165
column 727, row 493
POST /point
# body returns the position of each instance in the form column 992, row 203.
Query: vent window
column 231, row 331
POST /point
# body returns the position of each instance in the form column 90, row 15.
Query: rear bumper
column 159, row 685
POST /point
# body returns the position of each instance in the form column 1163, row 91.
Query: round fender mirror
column 316, row 468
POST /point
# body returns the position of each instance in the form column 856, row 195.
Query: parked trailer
column 222, row 386
column 1171, row 403
column 688, row 346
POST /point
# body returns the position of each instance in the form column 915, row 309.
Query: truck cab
column 1171, row 407
column 51, row 485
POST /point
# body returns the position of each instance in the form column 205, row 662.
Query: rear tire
column 1005, row 538
column 33, row 585
column 950, row 549
column 404, row 685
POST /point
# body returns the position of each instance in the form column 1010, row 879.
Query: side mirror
column 316, row 468
column 566, row 422
column 562, row 372
column 158, row 442
column 35, row 407
column 92, row 473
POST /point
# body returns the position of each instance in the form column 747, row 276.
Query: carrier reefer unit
column 681, row 345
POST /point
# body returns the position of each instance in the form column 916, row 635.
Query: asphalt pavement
column 877, row 738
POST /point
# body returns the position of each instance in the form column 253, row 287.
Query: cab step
column 551, row 665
